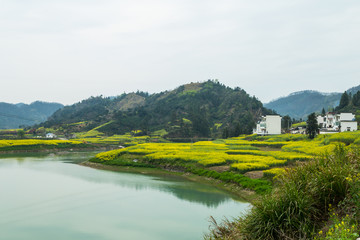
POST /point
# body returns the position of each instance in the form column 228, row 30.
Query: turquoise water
column 51, row 197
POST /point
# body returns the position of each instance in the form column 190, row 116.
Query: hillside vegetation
column 207, row 109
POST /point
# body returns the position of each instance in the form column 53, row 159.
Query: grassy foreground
column 319, row 199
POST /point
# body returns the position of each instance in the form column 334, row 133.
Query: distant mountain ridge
column 301, row 104
column 20, row 114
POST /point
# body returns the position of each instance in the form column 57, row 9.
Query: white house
column 347, row 122
column 268, row 125
column 321, row 121
column 337, row 122
column 329, row 122
column 332, row 121
column 50, row 135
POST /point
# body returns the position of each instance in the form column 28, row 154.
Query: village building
column 333, row 122
column 268, row 125
column 347, row 122
column 50, row 135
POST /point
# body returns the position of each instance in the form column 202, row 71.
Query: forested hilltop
column 207, row 109
column 15, row 115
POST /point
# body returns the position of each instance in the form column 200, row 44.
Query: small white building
column 268, row 125
column 50, row 135
column 330, row 122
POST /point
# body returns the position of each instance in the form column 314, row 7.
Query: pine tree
column 344, row 101
column 356, row 99
column 312, row 126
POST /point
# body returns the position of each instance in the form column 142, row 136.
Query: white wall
column 351, row 125
column 273, row 124
column 320, row 119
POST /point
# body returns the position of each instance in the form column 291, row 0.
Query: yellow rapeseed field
column 244, row 153
column 34, row 142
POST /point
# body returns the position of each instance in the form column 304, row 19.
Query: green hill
column 15, row 115
column 207, row 109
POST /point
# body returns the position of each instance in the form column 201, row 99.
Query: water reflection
column 196, row 195
column 176, row 186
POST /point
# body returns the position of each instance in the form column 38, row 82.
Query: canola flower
column 274, row 172
column 29, row 142
column 110, row 155
column 291, row 156
column 240, row 154
column 114, row 139
column 308, row 147
column 345, row 137
column 203, row 153
column 342, row 228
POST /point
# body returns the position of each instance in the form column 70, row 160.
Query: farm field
column 91, row 138
column 38, row 144
column 232, row 157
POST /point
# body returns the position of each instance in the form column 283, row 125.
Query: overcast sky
column 68, row 50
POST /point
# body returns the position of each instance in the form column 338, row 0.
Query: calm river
column 50, row 197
